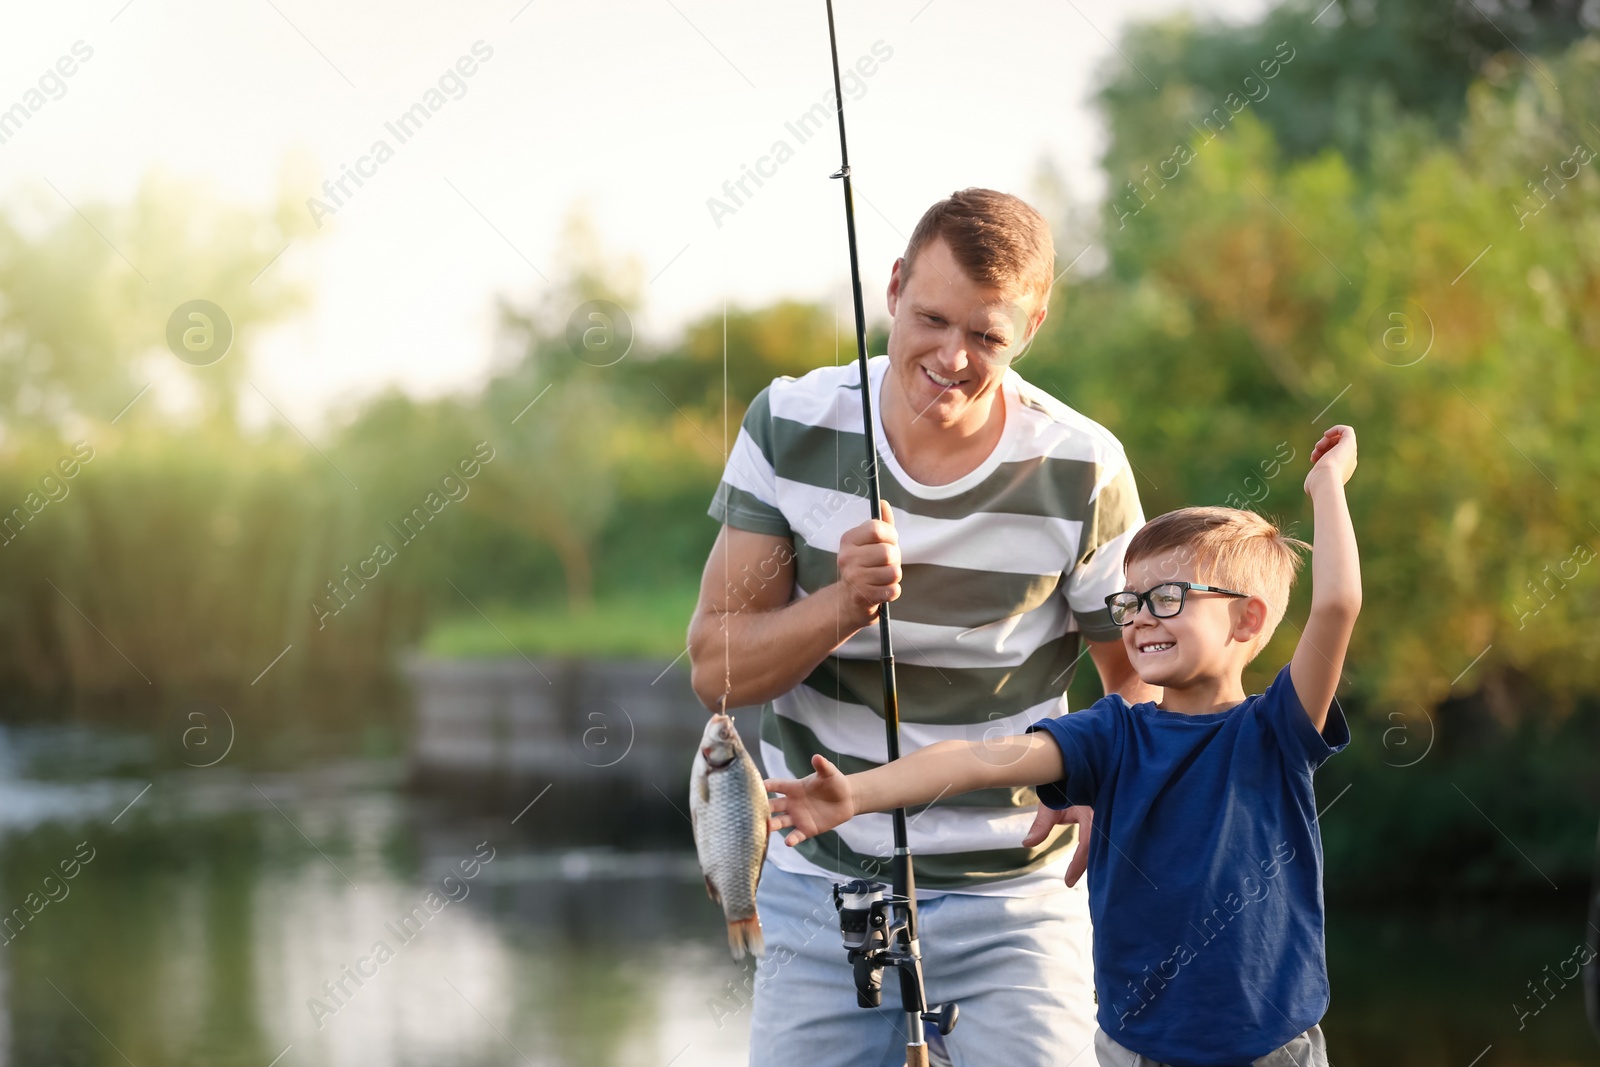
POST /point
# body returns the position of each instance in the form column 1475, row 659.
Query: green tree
column 84, row 302
column 1356, row 64
column 1251, row 292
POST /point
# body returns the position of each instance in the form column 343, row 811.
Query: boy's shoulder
column 1278, row 691
column 1104, row 719
column 1285, row 717
column 1112, row 706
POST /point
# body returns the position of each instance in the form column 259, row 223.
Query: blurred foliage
column 85, row 296
column 1451, row 804
column 1356, row 65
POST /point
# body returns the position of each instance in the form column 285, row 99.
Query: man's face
column 951, row 339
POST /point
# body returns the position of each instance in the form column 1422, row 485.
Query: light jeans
column 1306, row 1050
column 1019, row 967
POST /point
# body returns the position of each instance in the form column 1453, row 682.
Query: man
column 1006, row 519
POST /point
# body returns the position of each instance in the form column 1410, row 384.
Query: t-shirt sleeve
column 1301, row 742
column 1088, row 739
column 1114, row 516
column 747, row 496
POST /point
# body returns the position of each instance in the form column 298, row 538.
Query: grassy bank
column 649, row 624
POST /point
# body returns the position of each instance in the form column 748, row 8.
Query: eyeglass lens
column 1165, row 601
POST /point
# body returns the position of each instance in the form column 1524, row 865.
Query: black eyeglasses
column 1164, row 600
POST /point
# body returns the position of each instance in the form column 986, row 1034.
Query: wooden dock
column 629, row 728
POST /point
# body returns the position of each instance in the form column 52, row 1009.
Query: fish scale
column 729, row 809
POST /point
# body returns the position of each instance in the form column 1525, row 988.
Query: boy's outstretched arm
column 1335, row 576
column 822, row 800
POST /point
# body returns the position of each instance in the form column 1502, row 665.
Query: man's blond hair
column 1227, row 547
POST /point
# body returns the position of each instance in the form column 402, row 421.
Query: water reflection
column 329, row 917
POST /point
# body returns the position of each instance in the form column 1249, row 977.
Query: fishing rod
column 879, row 927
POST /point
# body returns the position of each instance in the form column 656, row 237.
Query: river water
column 168, row 916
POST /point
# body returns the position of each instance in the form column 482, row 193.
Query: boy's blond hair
column 1231, row 548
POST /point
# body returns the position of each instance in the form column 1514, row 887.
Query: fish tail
column 745, row 935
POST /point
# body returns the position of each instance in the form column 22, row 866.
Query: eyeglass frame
column 1143, row 600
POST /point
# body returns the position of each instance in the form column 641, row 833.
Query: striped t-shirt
column 1003, row 570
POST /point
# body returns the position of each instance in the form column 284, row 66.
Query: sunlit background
column 255, row 761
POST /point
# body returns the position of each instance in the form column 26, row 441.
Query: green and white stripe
column 1005, row 570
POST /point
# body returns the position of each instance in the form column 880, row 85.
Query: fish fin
column 699, row 783
column 711, row 891
column 745, row 935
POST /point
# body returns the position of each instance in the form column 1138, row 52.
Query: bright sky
column 639, row 110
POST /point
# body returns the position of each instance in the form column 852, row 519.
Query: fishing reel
column 875, row 938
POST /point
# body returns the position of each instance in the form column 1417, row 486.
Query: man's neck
column 934, row 453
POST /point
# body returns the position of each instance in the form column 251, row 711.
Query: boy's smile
column 1153, row 647
column 1198, row 655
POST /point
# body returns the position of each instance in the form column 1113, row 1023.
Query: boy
column 1205, row 866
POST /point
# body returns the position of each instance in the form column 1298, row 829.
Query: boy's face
column 952, row 338
column 1210, row 638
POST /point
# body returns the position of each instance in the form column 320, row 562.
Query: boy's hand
column 811, row 805
column 1335, row 453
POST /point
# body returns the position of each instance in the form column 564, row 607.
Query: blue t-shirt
column 1205, row 871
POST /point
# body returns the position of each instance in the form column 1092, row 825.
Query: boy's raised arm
column 822, row 800
column 1335, row 576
